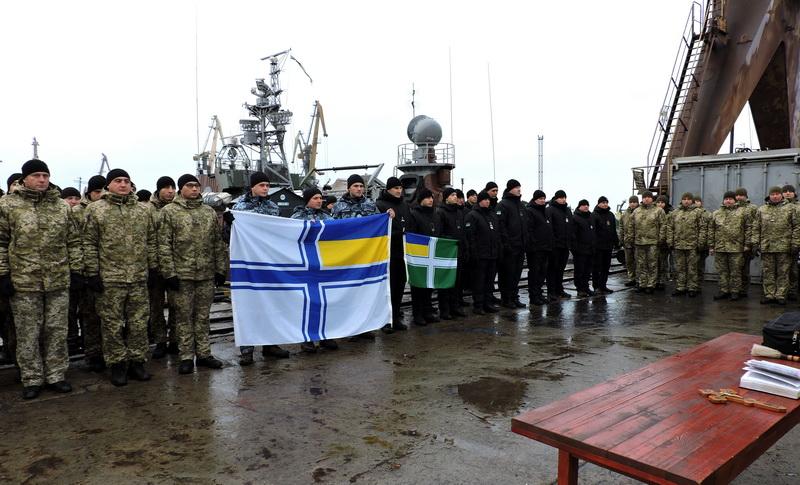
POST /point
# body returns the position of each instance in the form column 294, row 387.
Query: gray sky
column 118, row 77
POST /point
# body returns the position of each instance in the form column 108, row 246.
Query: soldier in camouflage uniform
column 90, row 321
column 701, row 261
column 624, row 229
column 355, row 204
column 312, row 211
column 120, row 257
column 72, row 197
column 164, row 194
column 40, row 259
column 790, row 196
column 8, row 350
column 686, row 234
column 744, row 203
column 728, row 239
column 257, row 200
column 775, row 234
column 648, row 231
column 192, row 257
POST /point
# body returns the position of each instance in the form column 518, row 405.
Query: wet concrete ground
column 430, row 405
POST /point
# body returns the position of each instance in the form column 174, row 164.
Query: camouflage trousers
column 41, row 322
column 686, row 277
column 630, row 263
column 775, row 269
column 647, row 265
column 124, row 309
column 192, row 305
column 90, row 324
column 158, row 324
column 729, row 268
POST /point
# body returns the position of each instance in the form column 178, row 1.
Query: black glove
column 173, row 283
column 76, row 282
column 95, row 284
column 6, row 286
column 227, row 216
column 219, row 279
column 152, row 278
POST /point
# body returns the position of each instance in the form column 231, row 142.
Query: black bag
column 783, row 333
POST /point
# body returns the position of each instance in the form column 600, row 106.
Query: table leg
column 567, row 468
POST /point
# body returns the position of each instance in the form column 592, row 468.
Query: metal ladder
column 674, row 120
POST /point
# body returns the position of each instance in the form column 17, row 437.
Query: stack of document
column 778, row 379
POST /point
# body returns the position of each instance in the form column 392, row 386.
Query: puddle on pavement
column 493, row 395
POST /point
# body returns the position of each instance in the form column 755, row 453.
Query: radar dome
column 424, row 130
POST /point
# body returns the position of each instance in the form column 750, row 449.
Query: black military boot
column 387, row 329
column 329, row 344
column 96, row 363
column 274, row 351
column 678, row 292
column 489, row 308
column 419, row 319
column 31, row 392
column 187, row 366
column 60, row 386
column 246, row 359
column 478, row 310
column 160, row 351
column 309, row 347
column 457, row 312
column 136, row 372
column 734, row 296
column 722, row 296
column 119, row 374
column 210, row 362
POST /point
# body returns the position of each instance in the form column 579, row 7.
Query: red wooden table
column 653, row 425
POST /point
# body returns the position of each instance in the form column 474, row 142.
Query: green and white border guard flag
column 431, row 261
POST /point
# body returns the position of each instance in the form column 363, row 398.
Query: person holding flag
column 422, row 223
column 391, row 199
column 449, row 220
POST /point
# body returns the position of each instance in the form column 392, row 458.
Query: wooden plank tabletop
column 653, row 420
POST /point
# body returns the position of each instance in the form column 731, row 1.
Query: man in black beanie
column 605, row 227
column 449, row 220
column 13, row 182
column 71, row 196
column 583, row 248
column 162, row 330
column 45, row 263
column 257, row 200
column 330, row 201
column 513, row 235
column 422, row 222
column 563, row 236
column 539, row 245
column 472, row 199
column 492, row 189
column 483, row 244
column 392, row 199
column 120, row 251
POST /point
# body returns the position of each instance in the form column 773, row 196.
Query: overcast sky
column 119, row 78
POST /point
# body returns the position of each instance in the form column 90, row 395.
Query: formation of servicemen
column 734, row 234
column 96, row 271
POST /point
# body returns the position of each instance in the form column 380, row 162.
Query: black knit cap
column 257, row 178
column 559, row 194
column 633, row 198
column 143, row 195
column 729, row 195
column 70, row 192
column 647, row 193
column 602, row 199
column 483, row 195
column 741, row 191
column 688, row 195
column 116, row 173
column 471, row 192
column 355, row 179
column 788, row 188
column 96, row 182
column 446, row 192
column 459, row 194
column 13, row 178
column 583, row 202
column 163, row 182
column 538, row 194
column 490, row 186
column 661, row 198
column 393, row 182
column 512, row 183
column 309, row 193
column 185, row 179
column 331, row 199
column 423, row 193
column 34, row 166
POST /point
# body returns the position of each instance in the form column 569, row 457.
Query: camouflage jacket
column 190, row 244
column 687, row 228
column 776, row 228
column 729, row 230
column 648, row 226
column 39, row 242
column 119, row 241
column 308, row 214
column 259, row 205
column 625, row 227
column 154, row 206
column 348, row 207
